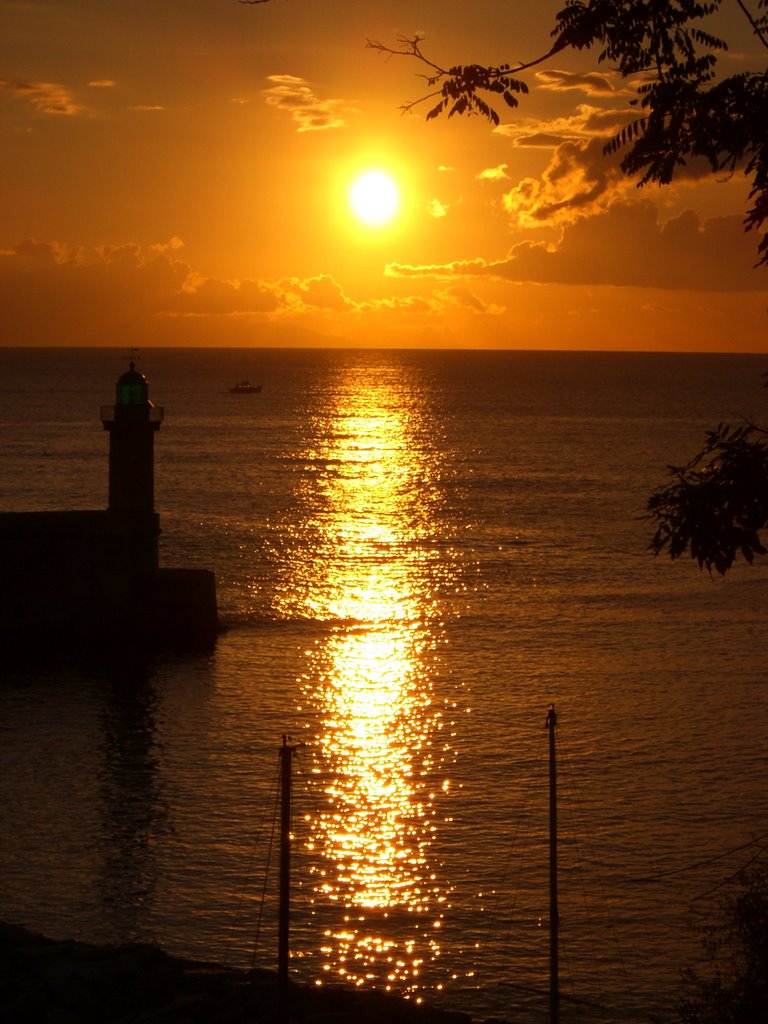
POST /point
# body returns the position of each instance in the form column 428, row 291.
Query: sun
column 374, row 198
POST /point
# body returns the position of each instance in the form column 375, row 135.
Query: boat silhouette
column 244, row 387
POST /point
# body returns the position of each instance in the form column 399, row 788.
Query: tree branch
column 755, row 27
column 409, row 48
column 460, row 85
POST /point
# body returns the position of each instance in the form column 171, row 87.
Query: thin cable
column 514, row 849
column 266, row 872
column 572, row 805
column 577, row 818
column 700, row 863
column 257, row 835
column 734, row 876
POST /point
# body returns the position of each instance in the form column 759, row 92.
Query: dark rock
column 48, row 982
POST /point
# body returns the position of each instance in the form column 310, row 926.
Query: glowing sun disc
column 374, row 197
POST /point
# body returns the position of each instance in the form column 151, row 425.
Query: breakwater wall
column 67, row 982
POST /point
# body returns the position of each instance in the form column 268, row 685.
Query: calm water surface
column 415, row 552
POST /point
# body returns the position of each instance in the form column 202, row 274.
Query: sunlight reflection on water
column 368, row 682
column 415, row 553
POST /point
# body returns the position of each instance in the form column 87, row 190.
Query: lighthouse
column 132, row 424
column 84, row 578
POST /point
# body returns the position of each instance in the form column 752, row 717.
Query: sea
column 417, row 553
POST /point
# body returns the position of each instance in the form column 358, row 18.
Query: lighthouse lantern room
column 132, row 423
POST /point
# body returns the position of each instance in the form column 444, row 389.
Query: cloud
column 308, row 111
column 320, row 292
column 437, row 209
column 580, row 180
column 404, row 304
column 586, row 122
column 30, row 255
column 626, row 246
column 457, row 298
column 592, row 83
column 45, row 97
column 498, row 173
column 470, row 268
column 211, row 297
column 538, row 140
column 102, row 83
column 55, row 294
column 467, row 300
column 93, row 295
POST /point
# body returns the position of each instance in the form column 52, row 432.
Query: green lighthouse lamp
column 132, row 388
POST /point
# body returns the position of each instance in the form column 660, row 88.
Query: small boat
column 244, row 387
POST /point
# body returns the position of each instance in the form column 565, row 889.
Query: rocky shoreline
column 43, row 981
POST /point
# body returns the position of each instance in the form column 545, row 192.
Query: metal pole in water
column 284, row 905
column 554, row 983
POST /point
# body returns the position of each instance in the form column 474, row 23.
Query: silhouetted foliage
column 736, row 989
column 717, row 504
column 686, row 109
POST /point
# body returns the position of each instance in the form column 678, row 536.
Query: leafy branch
column 685, row 111
column 717, row 503
column 670, row 58
column 734, row 987
column 459, row 85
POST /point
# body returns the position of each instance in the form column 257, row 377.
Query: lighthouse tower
column 75, row 578
column 132, row 424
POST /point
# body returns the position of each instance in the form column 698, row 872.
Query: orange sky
column 176, row 173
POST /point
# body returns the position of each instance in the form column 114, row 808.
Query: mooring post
column 284, row 905
column 554, row 983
